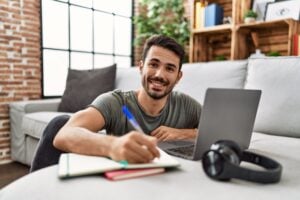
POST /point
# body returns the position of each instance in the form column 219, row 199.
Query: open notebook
column 71, row 164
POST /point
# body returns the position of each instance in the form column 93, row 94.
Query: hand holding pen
column 133, row 147
column 143, row 140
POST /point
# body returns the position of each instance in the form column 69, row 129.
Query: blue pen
column 133, row 122
column 131, row 119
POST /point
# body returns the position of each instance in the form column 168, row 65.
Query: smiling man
column 162, row 113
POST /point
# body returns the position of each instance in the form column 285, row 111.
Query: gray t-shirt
column 181, row 111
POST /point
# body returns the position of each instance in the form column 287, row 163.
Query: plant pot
column 248, row 20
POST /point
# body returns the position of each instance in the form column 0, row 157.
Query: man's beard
column 153, row 94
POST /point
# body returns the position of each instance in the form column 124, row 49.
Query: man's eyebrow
column 168, row 64
column 155, row 60
column 171, row 65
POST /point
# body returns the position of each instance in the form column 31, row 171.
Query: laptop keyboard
column 184, row 151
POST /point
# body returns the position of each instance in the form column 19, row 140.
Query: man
column 162, row 114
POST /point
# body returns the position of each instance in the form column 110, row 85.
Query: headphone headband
column 272, row 173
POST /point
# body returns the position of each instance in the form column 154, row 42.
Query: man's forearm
column 189, row 133
column 82, row 141
column 163, row 133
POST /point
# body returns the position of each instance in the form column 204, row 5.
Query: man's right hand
column 134, row 147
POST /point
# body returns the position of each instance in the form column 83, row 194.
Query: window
column 83, row 34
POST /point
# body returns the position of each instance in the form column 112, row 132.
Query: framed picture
column 283, row 10
column 259, row 6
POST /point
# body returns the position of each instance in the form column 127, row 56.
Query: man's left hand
column 164, row 133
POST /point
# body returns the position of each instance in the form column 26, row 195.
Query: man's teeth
column 157, row 83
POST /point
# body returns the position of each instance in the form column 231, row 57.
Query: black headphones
column 222, row 162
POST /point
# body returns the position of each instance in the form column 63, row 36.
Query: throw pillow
column 83, row 86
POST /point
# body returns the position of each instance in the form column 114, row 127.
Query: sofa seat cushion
column 34, row 123
column 197, row 77
column 285, row 150
column 278, row 78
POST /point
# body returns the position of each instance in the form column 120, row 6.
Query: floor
column 12, row 171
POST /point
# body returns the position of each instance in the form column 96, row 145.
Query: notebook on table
column 132, row 173
column 227, row 114
column 71, row 164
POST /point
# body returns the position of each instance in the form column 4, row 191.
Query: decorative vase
column 248, row 20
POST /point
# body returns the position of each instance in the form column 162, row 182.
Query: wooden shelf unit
column 238, row 40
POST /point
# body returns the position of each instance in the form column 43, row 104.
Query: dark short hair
column 164, row 42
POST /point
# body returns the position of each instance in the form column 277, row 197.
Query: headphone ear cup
column 220, row 155
column 233, row 145
column 213, row 163
column 230, row 150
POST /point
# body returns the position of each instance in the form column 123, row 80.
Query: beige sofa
column 277, row 126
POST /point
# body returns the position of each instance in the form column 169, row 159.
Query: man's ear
column 141, row 65
column 179, row 76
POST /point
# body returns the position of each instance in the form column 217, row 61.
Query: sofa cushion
column 285, row 150
column 83, row 86
column 279, row 107
column 34, row 123
column 199, row 76
column 196, row 78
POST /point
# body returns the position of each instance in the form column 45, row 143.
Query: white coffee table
column 187, row 183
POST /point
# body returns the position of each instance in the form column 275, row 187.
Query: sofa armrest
column 35, row 105
column 17, row 110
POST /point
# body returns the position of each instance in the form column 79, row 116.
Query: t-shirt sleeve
column 108, row 104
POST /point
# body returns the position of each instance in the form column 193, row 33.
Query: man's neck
column 151, row 106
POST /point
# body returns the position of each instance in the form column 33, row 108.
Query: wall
column 20, row 72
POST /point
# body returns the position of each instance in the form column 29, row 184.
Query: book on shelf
column 213, row 15
column 296, row 44
column 132, row 173
column 199, row 14
column 71, row 164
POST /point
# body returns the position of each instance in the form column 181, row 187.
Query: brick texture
column 20, row 66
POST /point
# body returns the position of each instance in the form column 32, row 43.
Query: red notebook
column 132, row 173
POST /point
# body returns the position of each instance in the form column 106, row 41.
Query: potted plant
column 274, row 53
column 220, row 58
column 250, row 16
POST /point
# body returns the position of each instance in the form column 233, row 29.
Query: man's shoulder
column 121, row 92
column 178, row 94
column 112, row 97
column 184, row 98
column 116, row 93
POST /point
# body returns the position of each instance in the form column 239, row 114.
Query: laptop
column 227, row 114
